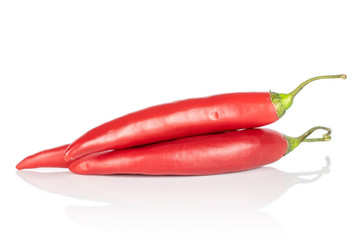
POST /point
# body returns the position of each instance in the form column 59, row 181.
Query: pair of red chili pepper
column 186, row 137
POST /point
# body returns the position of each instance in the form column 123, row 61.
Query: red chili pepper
column 199, row 155
column 187, row 118
column 48, row 158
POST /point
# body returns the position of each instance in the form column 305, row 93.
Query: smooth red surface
column 48, row 158
column 176, row 120
column 199, row 155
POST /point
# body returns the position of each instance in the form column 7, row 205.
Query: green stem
column 302, row 85
column 293, row 142
column 283, row 101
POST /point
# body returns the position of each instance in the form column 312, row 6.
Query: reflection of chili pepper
column 199, row 155
column 187, row 118
column 48, row 158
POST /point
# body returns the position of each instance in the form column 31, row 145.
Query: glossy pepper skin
column 53, row 157
column 185, row 118
column 198, row 155
column 177, row 120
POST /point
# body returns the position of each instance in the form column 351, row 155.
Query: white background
column 68, row 66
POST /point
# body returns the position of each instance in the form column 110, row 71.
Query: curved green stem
column 302, row 85
column 293, row 142
column 282, row 101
